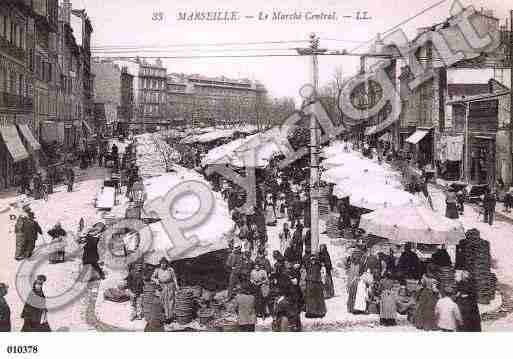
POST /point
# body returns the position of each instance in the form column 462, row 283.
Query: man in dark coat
column 31, row 231
column 489, row 202
column 297, row 210
column 91, row 255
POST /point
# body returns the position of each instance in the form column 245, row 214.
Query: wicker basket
column 205, row 315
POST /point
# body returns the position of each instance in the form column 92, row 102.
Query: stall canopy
column 27, row 133
column 417, row 136
column 13, row 142
column 415, row 224
column 212, row 234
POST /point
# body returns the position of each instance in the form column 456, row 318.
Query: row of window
column 153, row 97
column 152, row 110
column 146, row 71
column 12, row 31
column 153, row 84
column 15, row 83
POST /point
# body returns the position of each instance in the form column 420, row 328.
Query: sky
column 129, row 23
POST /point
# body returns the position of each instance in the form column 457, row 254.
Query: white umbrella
column 375, row 196
column 413, row 224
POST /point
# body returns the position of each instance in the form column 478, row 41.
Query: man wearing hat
column 447, row 312
column 32, row 229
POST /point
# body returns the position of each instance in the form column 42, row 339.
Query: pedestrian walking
column 70, row 179
column 5, row 310
column 90, row 255
column 489, row 202
column 35, row 313
column 165, row 277
column 32, row 229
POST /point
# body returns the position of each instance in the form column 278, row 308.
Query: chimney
column 66, row 11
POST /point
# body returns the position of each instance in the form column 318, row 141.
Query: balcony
column 12, row 50
column 15, row 101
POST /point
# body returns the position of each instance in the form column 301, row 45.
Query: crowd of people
column 388, row 285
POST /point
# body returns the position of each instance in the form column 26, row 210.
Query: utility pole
column 315, row 305
column 314, row 157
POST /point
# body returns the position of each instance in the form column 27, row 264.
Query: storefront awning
column 27, row 133
column 417, row 136
column 13, row 142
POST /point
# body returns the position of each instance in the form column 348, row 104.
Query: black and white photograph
column 272, row 166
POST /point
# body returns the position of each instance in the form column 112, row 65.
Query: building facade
column 197, row 99
column 27, row 29
column 107, row 91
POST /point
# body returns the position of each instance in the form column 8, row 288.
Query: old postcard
column 271, row 166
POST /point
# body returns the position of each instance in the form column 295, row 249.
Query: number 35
column 158, row 16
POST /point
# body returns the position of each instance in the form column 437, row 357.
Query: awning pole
column 467, row 145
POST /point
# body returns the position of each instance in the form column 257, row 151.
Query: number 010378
column 22, row 349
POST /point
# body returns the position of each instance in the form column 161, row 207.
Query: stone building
column 197, row 99
column 107, row 91
column 27, row 59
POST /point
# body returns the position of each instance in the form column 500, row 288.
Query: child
column 447, row 313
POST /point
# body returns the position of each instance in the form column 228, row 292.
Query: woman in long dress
column 270, row 211
column 362, row 292
column 426, row 302
column 325, row 259
column 165, row 277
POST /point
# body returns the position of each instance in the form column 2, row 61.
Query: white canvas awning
column 13, row 142
column 27, row 133
column 417, row 136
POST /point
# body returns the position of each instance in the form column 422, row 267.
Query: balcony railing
column 12, row 50
column 15, row 101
